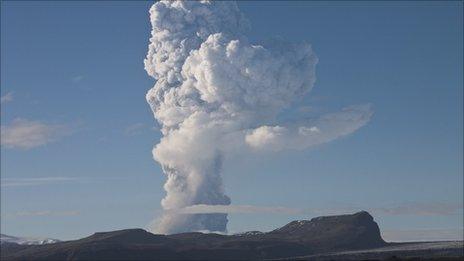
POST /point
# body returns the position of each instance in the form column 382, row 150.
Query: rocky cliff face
column 318, row 235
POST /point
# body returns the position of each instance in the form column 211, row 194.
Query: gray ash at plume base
column 217, row 94
column 344, row 237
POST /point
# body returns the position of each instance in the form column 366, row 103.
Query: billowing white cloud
column 217, row 93
column 6, row 98
column 27, row 134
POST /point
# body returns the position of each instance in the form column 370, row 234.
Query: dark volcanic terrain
column 317, row 239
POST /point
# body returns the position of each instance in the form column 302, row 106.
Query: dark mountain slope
column 334, row 232
column 298, row 238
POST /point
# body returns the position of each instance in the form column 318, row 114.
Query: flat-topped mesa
column 358, row 230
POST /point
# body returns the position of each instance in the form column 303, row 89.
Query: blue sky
column 73, row 77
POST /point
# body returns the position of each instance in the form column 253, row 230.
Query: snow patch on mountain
column 26, row 240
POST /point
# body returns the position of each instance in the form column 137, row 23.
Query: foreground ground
column 443, row 250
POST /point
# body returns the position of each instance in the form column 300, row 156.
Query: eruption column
column 216, row 94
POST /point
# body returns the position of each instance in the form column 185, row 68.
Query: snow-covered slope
column 249, row 233
column 26, row 241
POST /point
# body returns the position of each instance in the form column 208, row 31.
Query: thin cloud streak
column 28, row 134
column 199, row 209
column 14, row 182
column 46, row 213
column 404, row 209
column 421, row 209
column 416, row 209
column 423, row 235
column 19, row 182
column 6, row 98
column 135, row 129
column 77, row 78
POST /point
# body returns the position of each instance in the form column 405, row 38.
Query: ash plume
column 216, row 93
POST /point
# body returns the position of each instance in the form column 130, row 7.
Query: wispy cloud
column 135, row 129
column 421, row 209
column 46, row 213
column 418, row 209
column 305, row 109
column 197, row 209
column 77, row 78
column 20, row 182
column 423, row 234
column 6, row 98
column 15, row 182
column 400, row 209
column 28, row 134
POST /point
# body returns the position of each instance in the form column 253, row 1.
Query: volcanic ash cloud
column 216, row 93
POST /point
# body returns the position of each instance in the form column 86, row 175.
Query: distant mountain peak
column 26, row 240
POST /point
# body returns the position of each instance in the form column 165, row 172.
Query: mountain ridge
column 26, row 240
column 297, row 238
